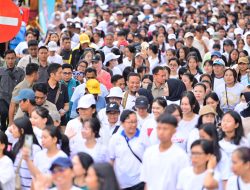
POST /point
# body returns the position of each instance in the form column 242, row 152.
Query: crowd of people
column 130, row 95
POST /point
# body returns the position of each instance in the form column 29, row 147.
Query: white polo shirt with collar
column 127, row 167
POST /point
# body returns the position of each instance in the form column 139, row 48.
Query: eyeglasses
column 67, row 73
column 58, row 170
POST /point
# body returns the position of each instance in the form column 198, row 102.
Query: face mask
column 91, row 15
column 230, row 35
column 130, row 41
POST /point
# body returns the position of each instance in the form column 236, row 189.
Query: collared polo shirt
column 161, row 91
column 22, row 85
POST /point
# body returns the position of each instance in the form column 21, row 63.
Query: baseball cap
column 171, row 37
column 238, row 31
column 52, row 46
column 219, row 62
column 206, row 110
column 86, row 101
column 115, row 92
column 189, row 34
column 216, row 36
column 210, row 31
column 146, row 7
column 141, row 102
column 96, row 58
column 216, row 53
column 228, row 42
column 26, row 93
column 109, row 57
column 84, row 38
column 93, row 86
column 112, row 106
column 119, row 13
column 63, row 162
column 243, row 60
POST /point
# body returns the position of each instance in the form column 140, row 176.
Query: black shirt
column 43, row 75
column 65, row 55
column 63, row 96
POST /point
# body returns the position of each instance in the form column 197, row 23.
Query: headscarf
column 176, row 87
column 246, row 112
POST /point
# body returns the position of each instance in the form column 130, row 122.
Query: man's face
column 109, row 40
column 33, row 51
column 97, row 65
column 40, row 98
column 160, row 77
column 218, row 70
column 189, row 41
column 248, row 39
column 10, row 60
column 57, row 75
column 106, row 16
column 43, row 55
column 24, row 105
column 62, row 176
column 133, row 83
column 67, row 44
column 165, row 132
column 90, row 75
column 30, row 37
column 113, row 117
column 67, row 74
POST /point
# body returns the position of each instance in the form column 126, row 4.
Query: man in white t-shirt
column 163, row 162
column 218, row 69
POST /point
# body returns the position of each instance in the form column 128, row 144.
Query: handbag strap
column 226, row 96
column 238, row 183
column 58, row 93
column 116, row 129
column 19, row 166
column 133, row 151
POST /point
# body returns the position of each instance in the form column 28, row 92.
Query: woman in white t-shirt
column 7, row 174
column 39, row 119
column 21, row 127
column 241, row 169
column 229, row 94
column 232, row 135
column 91, row 145
column 158, row 106
column 190, row 109
column 201, row 175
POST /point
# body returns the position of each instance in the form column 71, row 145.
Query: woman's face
column 192, row 64
column 157, row 109
column 47, row 139
column 208, row 68
column 204, row 135
column 88, row 57
column 185, row 105
column 187, row 82
column 242, row 66
column 130, row 124
column 138, row 61
column 208, row 118
column 160, row 38
column 82, row 67
column 54, row 37
column 198, row 157
column 77, row 167
column 182, row 54
column 92, row 179
column 234, row 55
column 173, row 66
column 87, row 132
column 241, row 44
column 146, row 82
column 15, row 131
column 37, row 120
column 229, row 77
column 212, row 103
column 96, row 37
column 199, row 93
column 238, row 166
column 177, row 115
column 228, row 124
column 86, row 113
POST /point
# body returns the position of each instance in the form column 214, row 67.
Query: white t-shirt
column 148, row 129
column 99, row 152
column 141, row 121
column 183, row 130
column 130, row 103
column 188, row 180
column 232, row 184
column 230, row 95
column 55, row 59
column 127, row 167
column 72, row 188
column 160, row 170
column 43, row 162
column 7, row 174
column 218, row 82
column 153, row 62
column 116, row 71
column 20, row 47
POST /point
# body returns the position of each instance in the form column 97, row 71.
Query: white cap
column 213, row 20
column 171, row 37
column 78, row 25
column 238, row 31
column 86, row 101
column 210, row 31
column 70, row 20
column 77, row 19
column 109, row 57
column 115, row 92
column 189, row 34
column 52, row 46
column 146, row 7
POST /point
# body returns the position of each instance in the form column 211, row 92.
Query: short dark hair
column 9, row 51
column 115, row 78
column 53, row 68
column 91, row 70
column 65, row 38
column 125, row 114
column 167, row 119
column 31, row 68
column 132, row 74
column 40, row 87
column 67, row 66
column 32, row 43
column 43, row 47
column 157, row 69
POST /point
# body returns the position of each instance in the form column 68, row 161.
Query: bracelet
column 211, row 171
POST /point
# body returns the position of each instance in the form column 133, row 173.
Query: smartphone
column 28, row 141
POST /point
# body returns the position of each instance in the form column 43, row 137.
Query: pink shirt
column 104, row 78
